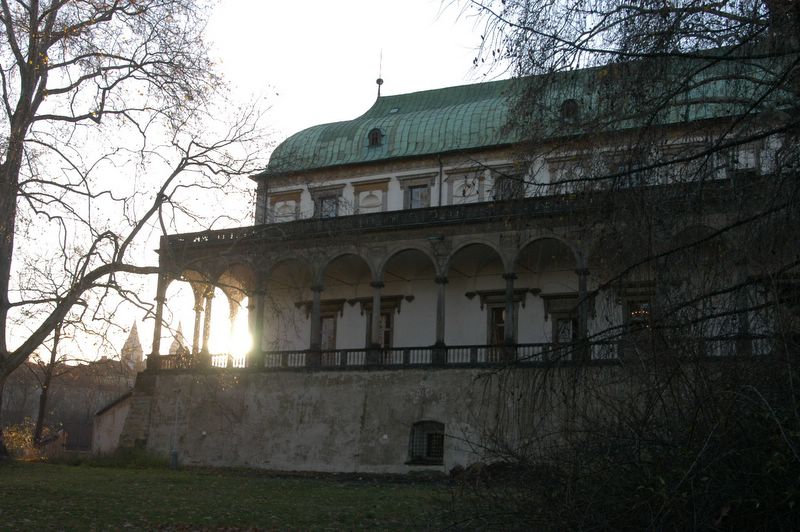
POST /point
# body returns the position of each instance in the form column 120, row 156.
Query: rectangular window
column 417, row 190
column 328, row 332
column 384, row 328
column 566, row 330
column 284, row 206
column 327, row 200
column 509, row 187
column 328, row 207
column 638, row 313
column 497, row 325
column 419, row 196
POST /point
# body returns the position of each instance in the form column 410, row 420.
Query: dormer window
column 570, row 111
column 375, row 138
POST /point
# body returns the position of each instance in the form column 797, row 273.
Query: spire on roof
column 178, row 342
column 132, row 351
column 379, row 81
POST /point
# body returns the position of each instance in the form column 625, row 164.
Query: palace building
column 400, row 260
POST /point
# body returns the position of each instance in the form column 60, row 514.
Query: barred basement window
column 426, row 445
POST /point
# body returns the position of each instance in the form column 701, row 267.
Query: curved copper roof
column 609, row 98
column 419, row 123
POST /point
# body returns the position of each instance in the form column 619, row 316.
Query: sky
column 317, row 61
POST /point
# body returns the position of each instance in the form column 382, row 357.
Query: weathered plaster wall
column 108, row 427
column 317, row 421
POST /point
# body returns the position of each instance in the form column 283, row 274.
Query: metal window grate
column 427, row 442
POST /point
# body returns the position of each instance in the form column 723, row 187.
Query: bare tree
column 93, row 91
column 658, row 112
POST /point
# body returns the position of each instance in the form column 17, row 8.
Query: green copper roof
column 609, row 98
column 419, row 123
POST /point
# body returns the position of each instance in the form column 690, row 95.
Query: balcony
column 538, row 354
column 686, row 196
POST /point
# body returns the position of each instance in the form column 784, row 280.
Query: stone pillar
column 441, row 282
column 198, row 319
column 316, row 318
column 161, row 292
column 257, row 332
column 440, row 351
column 508, row 322
column 207, row 319
column 375, row 332
column 582, row 350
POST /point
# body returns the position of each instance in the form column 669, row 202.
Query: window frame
column 375, row 138
column 507, row 185
column 416, row 182
column 278, row 197
column 374, row 185
column 426, row 443
column 323, row 194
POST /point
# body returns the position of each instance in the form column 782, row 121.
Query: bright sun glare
column 224, row 338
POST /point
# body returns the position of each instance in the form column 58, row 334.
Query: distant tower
column 179, row 342
column 132, row 353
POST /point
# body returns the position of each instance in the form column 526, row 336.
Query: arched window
column 426, row 444
column 375, row 138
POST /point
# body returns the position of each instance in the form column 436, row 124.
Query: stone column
column 257, row 333
column 508, row 322
column 375, row 332
column 198, row 319
column 161, row 292
column 207, row 319
column 441, row 282
column 582, row 350
column 440, row 352
column 316, row 318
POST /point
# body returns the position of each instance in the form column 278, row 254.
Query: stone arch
column 577, row 255
column 696, row 248
column 553, row 272
column 475, row 300
column 337, row 316
column 694, row 298
column 381, row 268
column 350, row 256
column 475, row 242
column 238, row 283
column 181, row 303
column 699, row 235
column 286, row 284
column 409, row 304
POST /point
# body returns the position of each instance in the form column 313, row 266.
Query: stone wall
column 345, row 421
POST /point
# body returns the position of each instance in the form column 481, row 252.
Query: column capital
column 509, row 276
column 582, row 271
column 440, row 279
column 377, row 284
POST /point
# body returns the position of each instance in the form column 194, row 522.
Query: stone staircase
column 137, row 424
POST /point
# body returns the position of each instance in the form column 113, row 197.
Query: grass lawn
column 37, row 496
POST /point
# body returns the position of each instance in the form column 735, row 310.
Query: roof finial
column 379, row 81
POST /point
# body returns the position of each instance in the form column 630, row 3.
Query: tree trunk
column 4, row 455
column 48, row 377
